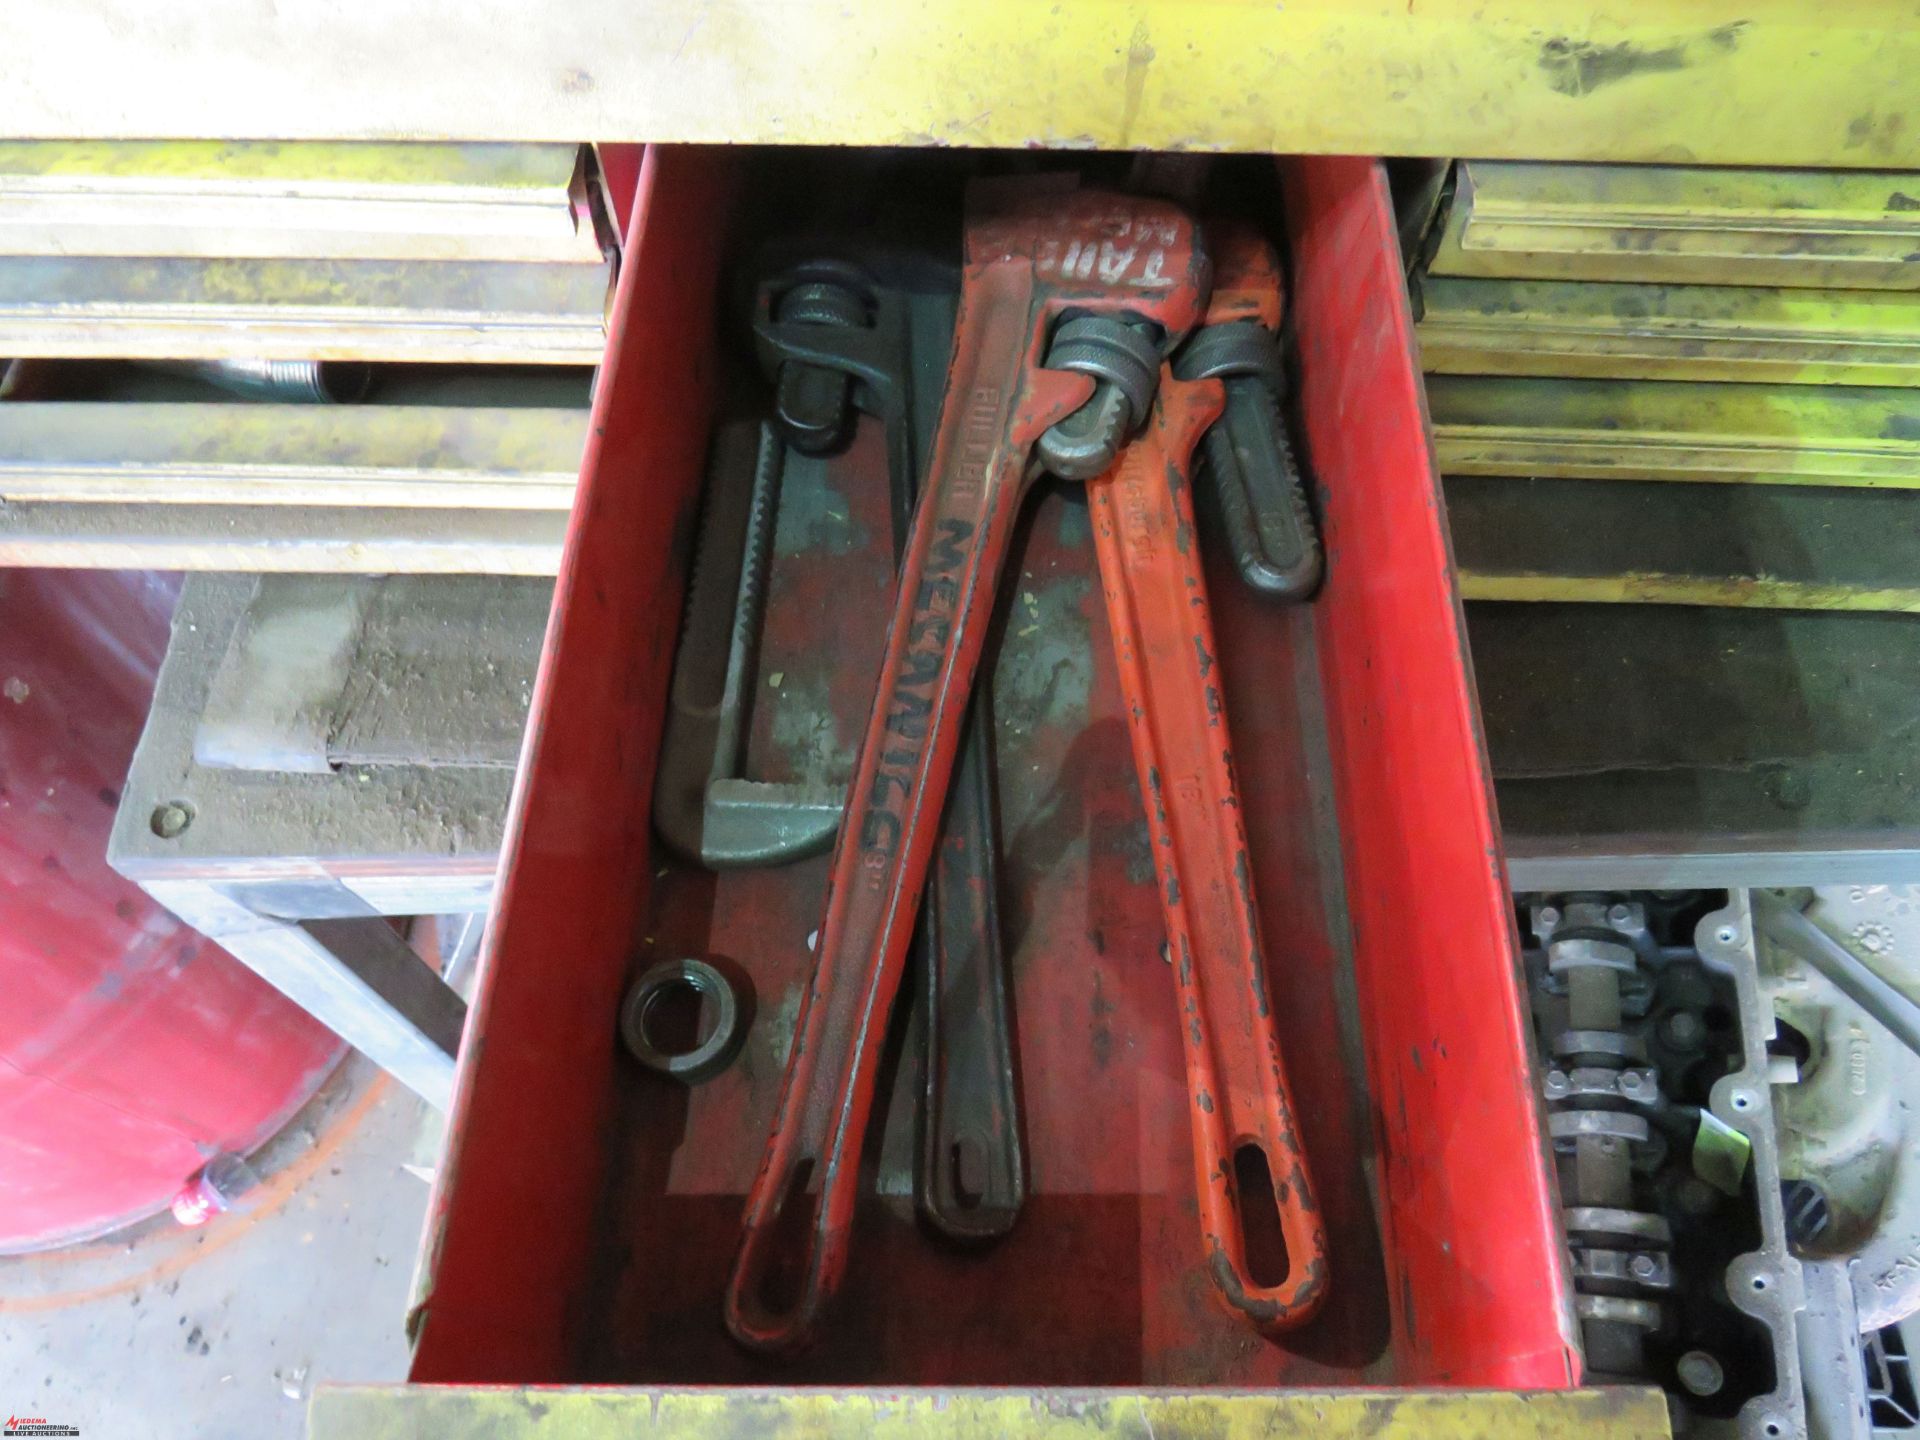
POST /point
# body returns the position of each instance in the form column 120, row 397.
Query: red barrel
column 131, row 1049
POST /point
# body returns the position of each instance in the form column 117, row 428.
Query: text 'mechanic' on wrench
column 833, row 333
column 1035, row 255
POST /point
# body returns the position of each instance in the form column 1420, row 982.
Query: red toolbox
column 587, row 1213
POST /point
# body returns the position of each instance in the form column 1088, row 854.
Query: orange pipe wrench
column 1035, row 254
column 1249, row 1168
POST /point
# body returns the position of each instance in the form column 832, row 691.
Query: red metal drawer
column 585, row 1215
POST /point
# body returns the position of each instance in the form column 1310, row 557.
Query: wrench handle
column 971, row 1181
column 1266, row 1244
column 801, row 1204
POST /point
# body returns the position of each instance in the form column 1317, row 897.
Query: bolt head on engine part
column 1700, row 1374
column 1683, row 1030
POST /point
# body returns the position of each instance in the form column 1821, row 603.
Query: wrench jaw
column 1032, row 256
column 1250, row 468
column 1263, row 1235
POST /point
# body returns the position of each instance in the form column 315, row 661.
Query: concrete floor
column 221, row 1333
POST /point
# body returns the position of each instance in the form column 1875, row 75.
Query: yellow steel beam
column 1669, row 332
column 1681, row 225
column 450, row 1412
column 263, row 200
column 318, row 168
column 212, row 309
column 380, row 456
column 332, row 539
column 1655, row 587
column 1734, row 546
column 1748, row 82
column 1675, row 430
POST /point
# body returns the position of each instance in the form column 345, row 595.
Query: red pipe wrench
column 1249, row 1168
column 1034, row 254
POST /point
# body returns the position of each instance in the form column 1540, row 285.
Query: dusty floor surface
column 161, row 1333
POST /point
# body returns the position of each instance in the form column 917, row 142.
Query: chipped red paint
column 1032, row 253
column 1247, row 283
column 1164, row 647
column 535, row 1082
column 1478, row 1281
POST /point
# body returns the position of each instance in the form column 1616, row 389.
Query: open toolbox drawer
column 587, row 1212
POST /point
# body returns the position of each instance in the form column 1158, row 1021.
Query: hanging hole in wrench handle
column 1032, row 253
column 779, row 1285
column 1264, row 1257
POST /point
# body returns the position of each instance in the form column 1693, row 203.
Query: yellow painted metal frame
column 1674, row 430
column 426, row 171
column 1761, row 82
column 187, row 308
column 1669, row 332
column 305, row 539
column 265, row 199
column 1686, row 225
column 1654, row 587
column 444, row 1412
column 459, row 457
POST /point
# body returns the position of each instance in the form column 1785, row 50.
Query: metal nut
column 709, row 1056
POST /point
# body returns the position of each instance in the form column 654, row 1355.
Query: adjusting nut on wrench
column 1035, row 255
column 813, row 404
column 1123, row 357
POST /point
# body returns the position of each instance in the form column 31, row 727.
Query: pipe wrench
column 1264, row 1238
column 1037, row 255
